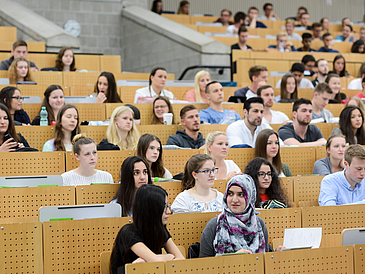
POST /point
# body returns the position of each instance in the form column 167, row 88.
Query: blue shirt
column 212, row 116
column 340, row 37
column 336, row 190
column 310, row 50
column 323, row 49
column 275, row 46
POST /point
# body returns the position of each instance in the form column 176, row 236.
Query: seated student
column 289, row 27
column 355, row 101
column 297, row 69
column 161, row 105
column 225, row 18
column 244, row 132
column 11, row 97
column 270, row 116
column 19, row 50
column 327, row 43
column 105, row 89
column 335, row 147
column 142, row 240
column 197, row 183
column 238, row 216
column 321, row 96
column 361, row 94
column 325, row 22
column 134, row 173
column 309, row 62
column 136, row 114
column 347, row 186
column 268, row 13
column 339, row 66
column 321, row 70
column 306, row 41
column 267, row 146
column 288, row 89
column 67, row 126
column 304, row 22
column 150, row 149
column 358, row 46
column 65, row 61
column 157, row 6
column 157, row 81
column 269, row 193
column 183, row 7
column 122, row 133
column 53, row 100
column 202, row 78
column 300, row 132
column 242, row 40
column 19, row 71
column 347, row 34
column 333, row 80
column 282, row 44
column 84, row 149
column 215, row 113
column 256, row 74
column 316, row 31
column 351, row 125
column 240, row 19
column 252, row 14
column 16, row 140
column 216, row 145
column 190, row 137
column 356, row 83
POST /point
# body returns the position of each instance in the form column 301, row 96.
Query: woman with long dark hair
column 339, row 66
column 267, row 146
column 288, row 89
column 157, row 6
column 67, row 126
column 19, row 70
column 161, row 105
column 351, row 125
column 105, row 89
column 133, row 174
column 150, row 149
column 11, row 97
column 267, row 183
column 334, row 81
column 142, row 240
column 65, row 60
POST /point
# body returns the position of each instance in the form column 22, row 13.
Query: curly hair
column 13, row 73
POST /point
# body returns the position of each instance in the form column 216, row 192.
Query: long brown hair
column 46, row 104
column 154, row 119
column 59, row 63
column 193, row 164
column 328, row 78
column 11, row 128
column 284, row 92
column 13, row 73
column 112, row 95
column 58, row 133
column 346, row 126
column 261, row 145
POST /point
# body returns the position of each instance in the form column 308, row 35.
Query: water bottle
column 281, row 47
column 44, row 115
column 232, row 115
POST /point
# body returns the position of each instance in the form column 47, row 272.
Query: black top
column 181, row 139
column 22, row 117
column 287, row 131
column 105, row 145
column 127, row 236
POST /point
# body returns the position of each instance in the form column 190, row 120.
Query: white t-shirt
column 149, row 92
column 167, row 174
column 184, row 202
column 355, row 84
column 277, row 117
column 230, row 29
column 70, row 178
column 250, row 94
column 231, row 166
column 263, row 17
column 304, row 83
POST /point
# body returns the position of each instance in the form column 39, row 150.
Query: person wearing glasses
column 161, row 105
column 197, row 182
column 142, row 240
column 11, row 97
column 269, row 194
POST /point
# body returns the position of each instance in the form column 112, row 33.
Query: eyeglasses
column 208, row 171
column 263, row 174
column 157, row 107
column 167, row 207
column 19, row 98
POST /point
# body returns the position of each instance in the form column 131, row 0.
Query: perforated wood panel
column 172, row 188
column 306, row 188
column 79, row 78
column 175, row 160
column 206, row 129
column 161, row 131
column 359, row 259
column 32, row 90
column 104, row 262
column 8, row 34
column 32, row 110
column 138, row 76
column 75, row 246
column 127, row 93
column 43, row 60
column 91, row 112
column 110, row 161
column 325, row 128
column 322, row 260
column 333, row 219
column 336, row 108
column 97, row 133
column 46, row 77
column 38, row 46
column 321, row 153
column 21, row 248
column 25, row 202
column 287, row 185
column 36, row 136
column 111, row 63
column 279, row 219
column 88, row 62
column 79, row 90
column 96, row 194
column 308, row 203
column 186, row 229
column 241, row 156
column 150, row 268
column 243, row 263
column 32, row 163
column 293, row 157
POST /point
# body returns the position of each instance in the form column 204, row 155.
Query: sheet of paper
column 301, row 237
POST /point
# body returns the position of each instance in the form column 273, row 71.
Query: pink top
column 357, row 95
column 190, row 96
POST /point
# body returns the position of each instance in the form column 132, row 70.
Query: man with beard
column 190, row 137
column 321, row 68
column 300, row 132
column 244, row 132
column 270, row 116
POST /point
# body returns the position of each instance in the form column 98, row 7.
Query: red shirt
column 264, row 197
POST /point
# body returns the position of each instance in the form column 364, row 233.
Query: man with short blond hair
column 347, row 186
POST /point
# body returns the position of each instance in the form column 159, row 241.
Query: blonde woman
column 122, row 133
column 216, row 145
column 202, row 78
column 19, row 70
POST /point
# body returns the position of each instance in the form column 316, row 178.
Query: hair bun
column 78, row 137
